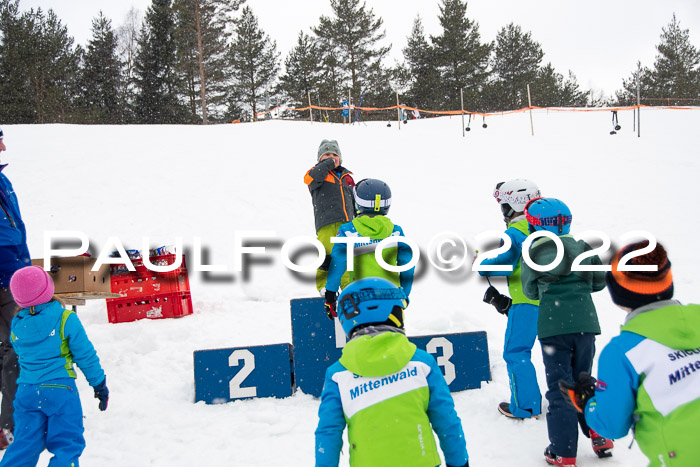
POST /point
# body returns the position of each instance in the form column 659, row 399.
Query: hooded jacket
column 331, row 193
column 376, row 228
column 14, row 254
column 649, row 379
column 566, row 306
column 48, row 340
column 389, row 393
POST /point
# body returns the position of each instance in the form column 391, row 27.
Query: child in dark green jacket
column 567, row 323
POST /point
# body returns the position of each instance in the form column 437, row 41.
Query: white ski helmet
column 514, row 195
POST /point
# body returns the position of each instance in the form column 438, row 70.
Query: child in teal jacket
column 48, row 340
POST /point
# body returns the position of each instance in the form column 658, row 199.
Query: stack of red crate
column 149, row 294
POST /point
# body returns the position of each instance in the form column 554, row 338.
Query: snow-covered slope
column 164, row 182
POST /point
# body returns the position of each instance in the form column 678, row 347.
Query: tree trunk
column 200, row 59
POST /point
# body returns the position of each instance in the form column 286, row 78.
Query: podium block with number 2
column 223, row 375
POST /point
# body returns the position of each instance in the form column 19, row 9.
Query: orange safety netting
column 469, row 112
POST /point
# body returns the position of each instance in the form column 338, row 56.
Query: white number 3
column 444, row 359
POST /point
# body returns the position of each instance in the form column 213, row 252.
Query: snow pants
column 564, row 358
column 324, row 236
column 9, row 367
column 47, row 416
column 521, row 332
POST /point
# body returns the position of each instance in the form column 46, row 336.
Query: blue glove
column 102, row 393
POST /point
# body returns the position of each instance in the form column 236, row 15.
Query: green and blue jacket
column 391, row 396
column 376, row 229
column 48, row 340
column 649, row 380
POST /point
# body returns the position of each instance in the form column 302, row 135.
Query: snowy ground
column 188, row 181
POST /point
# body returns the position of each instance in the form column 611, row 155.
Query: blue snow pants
column 564, row 358
column 47, row 416
column 521, row 332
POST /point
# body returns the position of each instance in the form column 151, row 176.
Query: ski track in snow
column 191, row 181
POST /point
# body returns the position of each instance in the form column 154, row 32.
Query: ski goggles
column 553, row 221
column 348, row 305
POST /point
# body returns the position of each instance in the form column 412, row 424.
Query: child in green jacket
column 390, row 395
column 567, row 322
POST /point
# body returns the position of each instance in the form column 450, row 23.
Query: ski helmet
column 370, row 300
column 372, row 196
column 548, row 214
column 514, row 194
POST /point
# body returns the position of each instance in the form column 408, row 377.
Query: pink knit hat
column 31, row 286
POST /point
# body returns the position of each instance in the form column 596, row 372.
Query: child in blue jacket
column 48, row 340
column 522, row 312
column 390, row 395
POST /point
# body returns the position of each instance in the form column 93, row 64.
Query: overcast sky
column 599, row 40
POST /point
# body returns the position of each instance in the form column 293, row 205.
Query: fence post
column 311, row 120
column 639, row 115
column 461, row 98
column 398, row 109
column 529, row 103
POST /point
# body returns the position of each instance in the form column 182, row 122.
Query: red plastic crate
column 160, row 260
column 171, row 305
column 144, row 282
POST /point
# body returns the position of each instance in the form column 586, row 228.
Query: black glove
column 579, row 393
column 498, row 300
column 102, row 393
column 331, row 299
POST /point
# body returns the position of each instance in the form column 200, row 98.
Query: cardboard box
column 73, row 275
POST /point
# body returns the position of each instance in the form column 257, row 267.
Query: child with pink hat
column 48, row 340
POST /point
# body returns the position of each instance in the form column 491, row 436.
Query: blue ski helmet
column 548, row 214
column 369, row 300
column 372, row 196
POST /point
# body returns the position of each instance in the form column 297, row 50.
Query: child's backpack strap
column 65, row 350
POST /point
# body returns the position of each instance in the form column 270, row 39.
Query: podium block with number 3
column 318, row 343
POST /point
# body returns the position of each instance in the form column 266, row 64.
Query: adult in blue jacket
column 14, row 255
column 48, row 340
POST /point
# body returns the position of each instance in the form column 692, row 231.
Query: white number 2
column 234, row 386
column 444, row 359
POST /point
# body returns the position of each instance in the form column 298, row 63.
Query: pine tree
column 571, row 94
column 101, row 75
column 127, row 40
column 15, row 87
column 628, row 94
column 254, row 60
column 676, row 72
column 461, row 57
column 351, row 41
column 552, row 90
column 201, row 32
column 334, row 83
column 516, row 61
column 424, row 77
column 303, row 71
column 39, row 66
column 158, row 86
